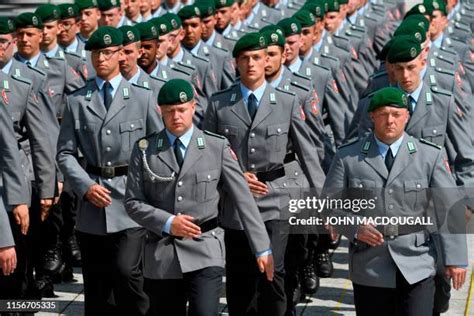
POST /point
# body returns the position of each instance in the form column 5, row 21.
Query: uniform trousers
column 248, row 291
column 405, row 300
column 201, row 288
column 112, row 264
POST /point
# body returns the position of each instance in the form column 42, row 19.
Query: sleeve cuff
column 263, row 253
column 167, row 226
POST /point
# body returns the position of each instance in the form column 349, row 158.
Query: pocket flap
column 131, row 126
column 207, row 176
column 415, row 185
column 277, row 129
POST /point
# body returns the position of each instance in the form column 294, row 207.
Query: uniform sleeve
column 237, row 188
column 337, row 111
column 210, row 119
column 153, row 118
column 6, row 236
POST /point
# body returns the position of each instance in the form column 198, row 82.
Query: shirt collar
column 256, row 8
column 195, row 49
column 114, row 82
column 227, row 30
column 212, row 38
column 318, row 45
column 33, row 60
column 340, row 28
column 353, row 18
column 157, row 12
column 52, row 52
column 7, row 67
column 179, row 57
column 309, row 54
column 275, row 83
column 249, row 19
column 81, row 38
column 296, row 65
column 72, row 48
column 258, row 93
column 439, row 41
column 185, row 138
column 416, row 94
column 383, row 148
column 238, row 25
column 135, row 77
column 121, row 22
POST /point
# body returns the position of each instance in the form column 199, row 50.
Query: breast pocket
column 277, row 136
column 130, row 132
column 434, row 134
column 231, row 133
column 416, row 194
column 206, row 184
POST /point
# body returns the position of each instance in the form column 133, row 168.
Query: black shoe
column 53, row 260
column 72, row 252
column 309, row 279
column 335, row 243
column 43, row 287
column 324, row 267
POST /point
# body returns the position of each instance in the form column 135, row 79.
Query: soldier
column 103, row 120
column 89, row 18
column 111, row 14
column 259, row 122
column 183, row 262
column 145, row 10
column 209, row 22
column 132, row 11
column 392, row 266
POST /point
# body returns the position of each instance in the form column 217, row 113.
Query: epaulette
column 186, row 65
column 74, row 54
column 220, row 48
column 448, row 50
column 443, row 58
column 285, row 91
column 300, row 85
column 348, row 143
column 341, row 37
column 445, row 71
column 148, row 136
column 379, row 74
column 22, row 79
column 352, row 34
column 330, row 57
column 462, row 26
column 140, row 86
column 37, row 70
column 180, row 70
column 427, row 142
column 370, row 17
column 299, row 75
column 437, row 89
column 231, row 38
column 225, row 90
column 60, row 57
column 213, row 134
column 321, row 66
column 158, row 78
column 358, row 28
column 200, row 57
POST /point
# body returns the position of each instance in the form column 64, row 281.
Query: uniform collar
column 180, row 56
column 439, row 41
column 114, row 82
column 185, row 138
column 72, row 48
column 7, row 67
column 296, row 65
column 258, row 93
column 33, row 61
column 135, row 77
column 319, row 44
column 309, row 54
column 212, row 38
column 238, row 25
column 276, row 83
column 383, row 148
column 195, row 49
column 227, row 30
column 122, row 21
column 52, row 52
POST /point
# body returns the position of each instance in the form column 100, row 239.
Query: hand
column 265, row 264
column 60, row 190
column 458, row 275
column 183, row 226
column 8, row 260
column 332, row 232
column 256, row 187
column 22, row 217
column 99, row 196
column 369, row 235
column 46, row 205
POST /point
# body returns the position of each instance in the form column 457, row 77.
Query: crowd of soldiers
column 157, row 145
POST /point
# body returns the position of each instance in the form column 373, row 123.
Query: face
column 29, row 40
column 145, row 6
column 50, row 32
column 307, row 36
column 148, row 53
column 438, row 23
column 407, row 74
column 223, row 16
column 251, row 66
column 208, row 25
column 352, row 5
column 292, row 47
column 89, row 20
column 275, row 59
column 331, row 22
column 111, row 17
column 178, row 119
column 162, row 50
column 68, row 30
column 318, row 29
column 7, row 48
column 132, row 8
column 155, row 4
column 389, row 123
column 128, row 59
column 106, row 61
column 192, row 31
column 174, row 40
column 235, row 15
column 245, row 9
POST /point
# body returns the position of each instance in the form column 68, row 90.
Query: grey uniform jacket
column 209, row 167
column 106, row 140
column 222, row 61
column 404, row 191
column 262, row 145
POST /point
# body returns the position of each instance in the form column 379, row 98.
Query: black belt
column 209, row 225
column 277, row 173
column 107, row 172
column 289, row 158
column 393, row 231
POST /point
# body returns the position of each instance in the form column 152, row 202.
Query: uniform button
column 284, row 184
column 108, row 149
column 390, row 191
column 252, row 166
column 296, row 173
column 226, row 131
column 109, row 163
column 108, row 132
column 132, row 126
column 390, row 206
column 418, row 186
column 85, row 127
column 180, row 183
column 435, row 131
column 252, row 150
column 252, row 135
column 208, row 177
column 361, row 185
column 109, row 179
column 180, row 198
column 278, row 130
column 213, row 233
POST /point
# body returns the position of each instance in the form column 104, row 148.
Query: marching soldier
column 89, row 18
column 103, row 120
column 211, row 13
column 111, row 14
column 173, row 187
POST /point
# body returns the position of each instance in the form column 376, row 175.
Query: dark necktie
column 107, row 95
column 28, row 63
column 411, row 104
column 389, row 159
column 177, row 152
column 252, row 105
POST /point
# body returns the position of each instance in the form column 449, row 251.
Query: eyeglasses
column 107, row 53
column 67, row 26
column 4, row 44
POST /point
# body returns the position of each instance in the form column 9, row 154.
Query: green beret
column 130, row 34
column 273, row 35
column 28, row 19
column 172, row 21
column 290, row 26
column 103, row 37
column 48, row 12
column 250, row 41
column 189, row 12
column 389, row 96
column 343, row 2
column 7, row 26
column 420, row 19
column 433, row 5
column 411, row 27
column 147, row 30
column 105, row 5
column 315, row 7
column 207, row 8
column 404, row 48
column 333, row 6
column 417, row 9
column 68, row 11
column 384, row 52
column 162, row 25
column 305, row 18
column 86, row 4
column 223, row 3
column 174, row 92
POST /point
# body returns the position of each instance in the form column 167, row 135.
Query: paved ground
column 334, row 297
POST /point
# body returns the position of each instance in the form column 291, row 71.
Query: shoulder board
column 329, row 57
column 445, row 59
column 200, row 57
column 462, row 26
column 358, row 28
column 300, row 85
column 180, row 70
column 352, row 34
column 220, row 48
column 370, row 17
column 341, row 37
column 299, row 75
column 370, row 95
column 55, row 57
column 427, row 142
column 186, row 65
column 379, row 74
column 438, row 90
column 160, row 79
column 226, row 90
column 348, row 143
column 231, row 38
column 37, row 70
column 22, row 79
column 139, row 86
column 285, row 91
column 322, row 67
column 444, row 71
column 445, row 49
column 73, row 54
column 213, row 134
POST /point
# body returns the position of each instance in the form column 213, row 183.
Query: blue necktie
column 107, row 95
column 252, row 105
